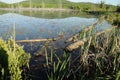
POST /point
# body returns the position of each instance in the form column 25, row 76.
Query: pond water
column 35, row 25
column 45, row 24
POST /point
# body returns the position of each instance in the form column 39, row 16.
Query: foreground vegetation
column 97, row 59
column 13, row 61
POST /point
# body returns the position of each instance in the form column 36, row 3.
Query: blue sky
column 113, row 2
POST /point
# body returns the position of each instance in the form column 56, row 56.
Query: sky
column 113, row 2
column 11, row 1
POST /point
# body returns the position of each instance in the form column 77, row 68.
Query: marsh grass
column 100, row 56
column 58, row 66
column 98, row 59
column 113, row 18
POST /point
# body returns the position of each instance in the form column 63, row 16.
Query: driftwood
column 79, row 43
column 76, row 36
column 39, row 40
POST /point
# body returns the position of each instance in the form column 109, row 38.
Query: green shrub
column 12, row 60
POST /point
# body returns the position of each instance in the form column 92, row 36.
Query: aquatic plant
column 57, row 69
column 98, row 58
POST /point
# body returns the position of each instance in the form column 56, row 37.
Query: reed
column 98, row 59
column 100, row 56
column 57, row 69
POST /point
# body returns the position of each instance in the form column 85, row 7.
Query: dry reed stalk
column 14, row 35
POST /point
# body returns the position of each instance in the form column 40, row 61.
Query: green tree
column 118, row 8
column 102, row 4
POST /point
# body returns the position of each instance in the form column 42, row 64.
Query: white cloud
column 11, row 1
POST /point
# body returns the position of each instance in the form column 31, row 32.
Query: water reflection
column 42, row 28
column 50, row 14
column 28, row 27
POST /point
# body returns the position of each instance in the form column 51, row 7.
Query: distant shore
column 35, row 9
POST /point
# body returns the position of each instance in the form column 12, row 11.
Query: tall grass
column 58, row 66
column 113, row 18
column 98, row 59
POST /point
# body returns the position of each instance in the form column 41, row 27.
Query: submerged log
column 79, row 43
column 76, row 36
column 33, row 40
column 75, row 45
column 39, row 40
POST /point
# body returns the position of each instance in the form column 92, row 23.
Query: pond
column 45, row 24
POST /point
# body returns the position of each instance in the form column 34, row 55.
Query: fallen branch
column 85, row 30
column 38, row 40
column 79, row 43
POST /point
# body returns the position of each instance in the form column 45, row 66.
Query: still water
column 35, row 25
column 44, row 24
